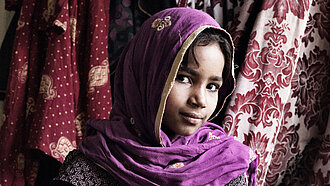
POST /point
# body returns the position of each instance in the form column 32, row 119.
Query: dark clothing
column 78, row 170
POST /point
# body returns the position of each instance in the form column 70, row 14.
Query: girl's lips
column 192, row 118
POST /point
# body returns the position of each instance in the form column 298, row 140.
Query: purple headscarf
column 131, row 145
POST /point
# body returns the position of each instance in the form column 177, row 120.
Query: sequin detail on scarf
column 212, row 136
column 177, row 165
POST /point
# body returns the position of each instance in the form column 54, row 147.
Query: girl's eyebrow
column 195, row 73
column 188, row 70
column 216, row 78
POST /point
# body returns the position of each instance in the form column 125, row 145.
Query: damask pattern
column 308, row 86
column 281, row 105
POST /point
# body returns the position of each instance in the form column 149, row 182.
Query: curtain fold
column 59, row 78
column 281, row 104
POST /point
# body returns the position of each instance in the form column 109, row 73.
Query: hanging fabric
column 126, row 17
column 59, row 78
column 5, row 54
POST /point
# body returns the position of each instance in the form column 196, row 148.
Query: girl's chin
column 186, row 132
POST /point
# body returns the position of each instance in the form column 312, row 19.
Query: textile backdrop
column 281, row 105
column 59, row 78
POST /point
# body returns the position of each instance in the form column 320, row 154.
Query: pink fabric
column 59, row 78
column 281, row 105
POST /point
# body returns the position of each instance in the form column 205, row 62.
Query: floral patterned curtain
column 281, row 104
column 59, row 78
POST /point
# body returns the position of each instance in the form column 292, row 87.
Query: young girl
column 172, row 79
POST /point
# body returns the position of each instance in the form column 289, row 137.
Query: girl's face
column 194, row 95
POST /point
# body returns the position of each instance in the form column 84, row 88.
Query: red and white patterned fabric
column 281, row 104
column 59, row 78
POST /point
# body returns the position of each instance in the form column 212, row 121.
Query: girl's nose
column 198, row 97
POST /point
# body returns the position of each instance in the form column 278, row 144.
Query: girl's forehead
column 206, row 55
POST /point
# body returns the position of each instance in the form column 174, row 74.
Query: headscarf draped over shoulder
column 131, row 145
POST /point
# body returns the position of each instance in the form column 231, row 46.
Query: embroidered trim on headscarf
column 161, row 23
column 170, row 79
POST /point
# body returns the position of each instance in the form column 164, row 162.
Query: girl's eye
column 182, row 78
column 213, row 87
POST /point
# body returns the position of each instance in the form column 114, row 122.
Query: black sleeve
column 77, row 169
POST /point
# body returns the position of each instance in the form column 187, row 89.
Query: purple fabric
column 126, row 144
